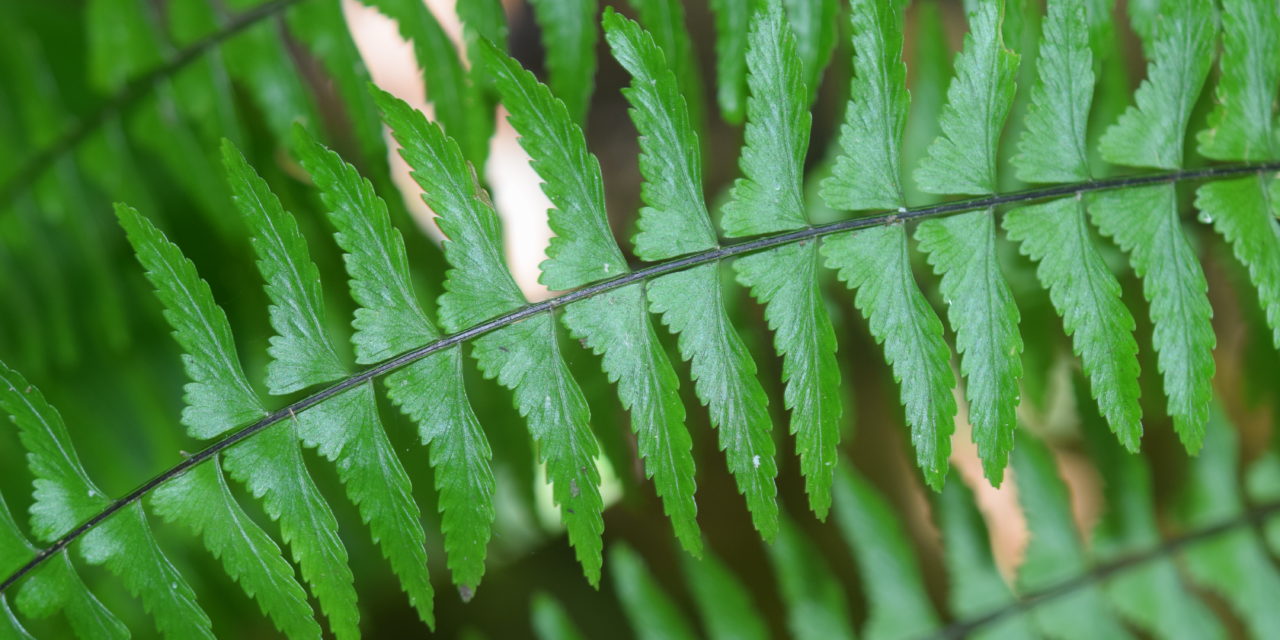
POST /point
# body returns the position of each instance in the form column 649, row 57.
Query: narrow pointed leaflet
column 1056, row 234
column 962, row 249
column 674, row 221
column 615, row 325
column 875, row 262
column 1145, row 222
column 770, row 198
column 389, row 321
column 524, row 357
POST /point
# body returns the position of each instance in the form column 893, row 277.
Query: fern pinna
column 772, row 57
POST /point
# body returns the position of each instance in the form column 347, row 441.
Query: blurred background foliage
column 127, row 100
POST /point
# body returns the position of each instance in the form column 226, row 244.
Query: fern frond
column 722, row 601
column 1243, row 127
column 816, row 24
column 616, row 325
column 569, row 37
column 665, row 22
column 690, row 301
column 770, row 198
column 523, row 357
column 897, row 602
column 54, row 587
column 1145, row 223
column 1055, row 552
column 65, row 496
column 390, row 321
column 201, row 500
column 1055, row 234
column 271, row 464
column 875, row 262
column 1234, row 565
column 732, row 21
column 550, row 621
column 815, row 600
column 652, row 614
column 961, row 248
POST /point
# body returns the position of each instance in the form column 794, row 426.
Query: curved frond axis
column 232, row 437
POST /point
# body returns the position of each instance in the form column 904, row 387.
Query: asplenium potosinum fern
column 1063, row 589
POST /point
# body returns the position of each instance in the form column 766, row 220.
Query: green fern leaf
column 652, row 614
column 770, row 198
column 815, row 600
column 665, row 22
column 963, row 159
column 452, row 96
column 674, row 221
column 722, row 601
column 981, row 311
column 1235, row 565
column 218, row 397
column 875, row 262
column 583, row 249
column 816, row 25
column 54, row 586
column 1145, row 221
column 201, row 500
column 1055, row 234
column 961, row 248
column 1152, row 597
column 1242, row 128
column 1087, row 296
column 389, row 321
column 1242, row 125
column 301, row 353
column 270, row 464
column 569, row 37
column 523, row 357
column 550, row 621
column 732, row 20
column 898, row 604
column 976, row 585
column 615, row 325
column 65, row 496
column 867, row 172
column 1052, row 146
column 1055, row 553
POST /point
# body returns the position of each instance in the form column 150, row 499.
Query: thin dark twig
column 136, row 90
column 634, row 277
column 1255, row 514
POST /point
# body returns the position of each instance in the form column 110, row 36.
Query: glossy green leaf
column 1052, row 146
column 1055, row 553
column 867, row 172
column 53, row 587
column 523, row 357
column 569, row 37
column 65, row 496
column 981, row 311
column 674, row 219
column 1242, row 126
column 1087, row 296
column 390, row 321
column 816, row 24
column 898, row 605
column 963, row 159
column 652, row 614
column 583, row 249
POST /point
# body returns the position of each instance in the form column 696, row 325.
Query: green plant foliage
column 961, row 249
column 140, row 101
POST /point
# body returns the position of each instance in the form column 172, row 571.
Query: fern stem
column 641, row 275
column 127, row 96
column 1254, row 515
